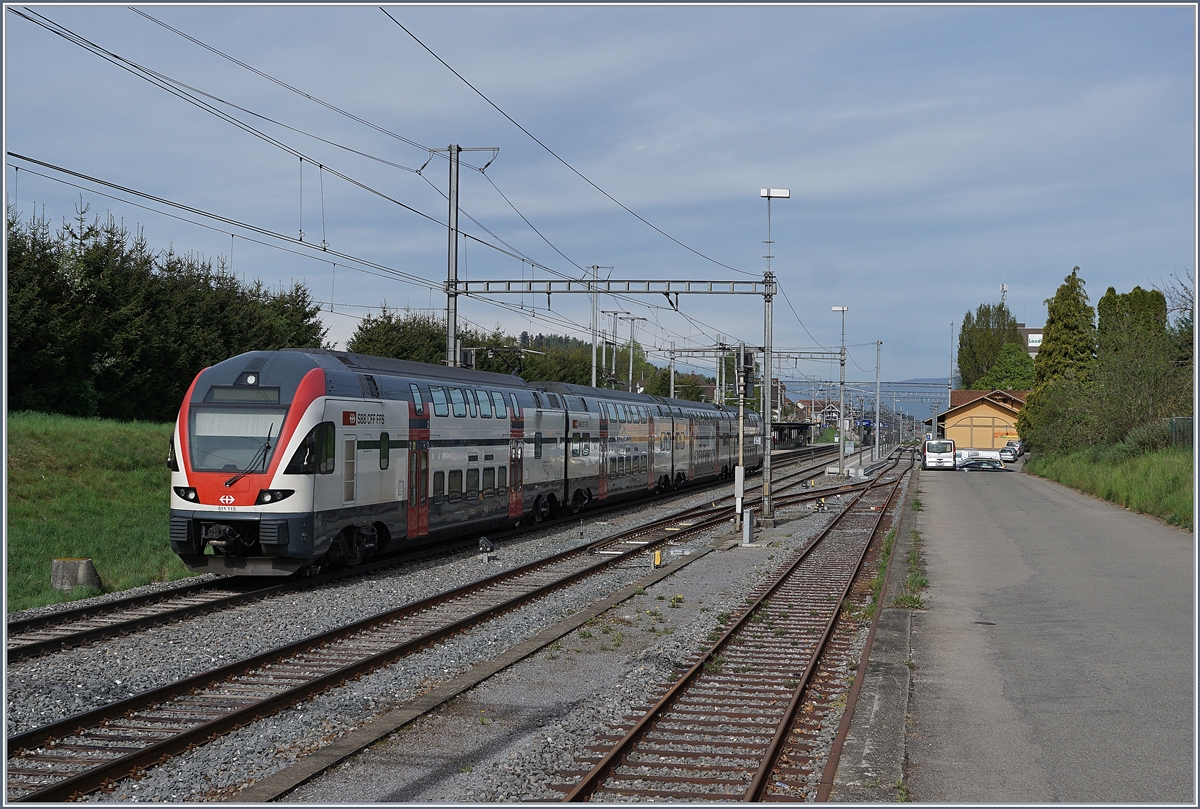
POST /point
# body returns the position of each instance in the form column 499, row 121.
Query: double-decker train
column 290, row 460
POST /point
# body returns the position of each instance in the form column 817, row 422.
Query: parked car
column 1009, row 453
column 982, row 465
column 1018, row 445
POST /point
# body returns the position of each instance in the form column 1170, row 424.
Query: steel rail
column 591, row 782
column 97, row 776
column 52, row 639
column 759, row 782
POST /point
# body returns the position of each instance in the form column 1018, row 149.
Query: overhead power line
column 553, row 154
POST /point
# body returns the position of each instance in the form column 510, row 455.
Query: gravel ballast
column 505, row 740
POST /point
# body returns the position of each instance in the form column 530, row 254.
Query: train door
column 516, row 483
column 349, row 471
column 418, row 492
column 516, row 465
column 602, row 481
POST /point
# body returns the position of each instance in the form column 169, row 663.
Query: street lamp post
column 842, row 398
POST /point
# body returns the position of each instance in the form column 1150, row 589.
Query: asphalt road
column 1056, row 659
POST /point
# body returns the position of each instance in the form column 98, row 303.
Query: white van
column 938, row 454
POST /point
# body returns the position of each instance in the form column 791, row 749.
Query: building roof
column 1014, row 400
column 958, row 398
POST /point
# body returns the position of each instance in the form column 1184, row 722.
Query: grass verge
column 86, row 488
column 1157, row 483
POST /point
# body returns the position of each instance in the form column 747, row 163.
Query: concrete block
column 67, row 574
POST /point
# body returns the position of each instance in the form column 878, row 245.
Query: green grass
column 1157, row 483
column 86, row 488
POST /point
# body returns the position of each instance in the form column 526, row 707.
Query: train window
column 587, row 444
column 537, row 399
column 612, row 466
column 385, row 450
column 575, row 448
column 315, row 454
column 439, row 486
column 370, row 388
column 516, row 408
column 501, row 477
column 485, row 404
column 583, row 404
column 498, row 401
column 470, row 394
column 418, row 405
column 612, row 411
column 537, row 445
column 438, row 394
column 458, row 403
column 454, row 485
column 472, row 483
column 489, row 481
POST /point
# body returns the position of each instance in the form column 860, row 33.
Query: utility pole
column 878, row 350
column 615, row 314
column 452, row 256
column 768, row 507
column 739, row 474
column 595, row 268
column 452, row 268
column 632, row 325
column 671, row 368
column 842, row 398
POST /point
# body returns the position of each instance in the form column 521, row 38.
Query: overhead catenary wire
column 166, row 84
column 358, row 119
column 353, row 262
column 177, row 88
column 555, row 155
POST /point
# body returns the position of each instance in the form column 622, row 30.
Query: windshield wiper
column 260, row 457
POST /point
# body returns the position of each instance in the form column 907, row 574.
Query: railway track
column 86, row 752
column 68, row 628
column 743, row 722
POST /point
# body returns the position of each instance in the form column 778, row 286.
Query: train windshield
column 234, row 439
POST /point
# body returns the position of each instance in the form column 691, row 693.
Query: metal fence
column 1181, row 431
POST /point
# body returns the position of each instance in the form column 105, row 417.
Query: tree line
column 101, row 325
column 420, row 336
column 1108, row 375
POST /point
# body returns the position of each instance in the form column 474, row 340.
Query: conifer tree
column 982, row 336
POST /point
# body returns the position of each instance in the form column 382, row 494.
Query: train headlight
column 186, row 492
column 266, row 496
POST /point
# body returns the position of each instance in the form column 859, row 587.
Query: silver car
column 1008, row 453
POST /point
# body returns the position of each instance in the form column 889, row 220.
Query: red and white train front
column 249, row 446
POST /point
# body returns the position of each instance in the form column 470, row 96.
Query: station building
column 980, row 419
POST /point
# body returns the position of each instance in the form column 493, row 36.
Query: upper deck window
column 440, row 406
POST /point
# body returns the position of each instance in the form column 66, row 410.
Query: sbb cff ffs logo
column 353, row 419
column 227, row 499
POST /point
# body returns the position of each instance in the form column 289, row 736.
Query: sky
column 932, row 155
